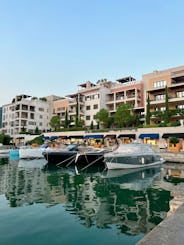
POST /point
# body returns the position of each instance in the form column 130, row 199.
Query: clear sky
column 50, row 46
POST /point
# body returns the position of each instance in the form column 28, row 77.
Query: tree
column 148, row 113
column 37, row 131
column 77, row 114
column 103, row 117
column 166, row 114
column 66, row 119
column 5, row 139
column 124, row 116
column 91, row 126
column 55, row 123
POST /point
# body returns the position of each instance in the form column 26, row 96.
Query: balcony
column 157, row 102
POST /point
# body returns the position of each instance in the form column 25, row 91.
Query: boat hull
column 89, row 159
column 60, row 159
column 131, row 162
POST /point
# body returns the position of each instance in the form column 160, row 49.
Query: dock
column 175, row 157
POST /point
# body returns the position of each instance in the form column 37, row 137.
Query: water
column 61, row 207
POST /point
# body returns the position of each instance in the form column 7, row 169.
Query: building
column 89, row 99
column 26, row 114
column 126, row 90
column 155, row 84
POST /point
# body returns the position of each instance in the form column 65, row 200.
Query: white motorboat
column 132, row 155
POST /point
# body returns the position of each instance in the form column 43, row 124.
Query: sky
column 49, row 47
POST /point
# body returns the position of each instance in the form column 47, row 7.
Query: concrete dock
column 171, row 230
column 168, row 232
column 175, row 157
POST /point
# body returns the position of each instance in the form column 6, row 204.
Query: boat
column 32, row 152
column 61, row 157
column 132, row 155
column 90, row 157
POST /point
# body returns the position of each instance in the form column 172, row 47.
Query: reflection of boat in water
column 133, row 155
column 33, row 163
column 134, row 179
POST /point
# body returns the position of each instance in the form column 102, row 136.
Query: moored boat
column 61, row 157
column 132, row 155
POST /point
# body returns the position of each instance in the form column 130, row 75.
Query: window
column 88, row 107
column 180, row 94
column 160, row 97
column 95, row 106
column 41, row 109
column 87, row 118
column 159, row 84
column 180, row 106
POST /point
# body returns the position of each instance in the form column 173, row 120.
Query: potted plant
column 174, row 144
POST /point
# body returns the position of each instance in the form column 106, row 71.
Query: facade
column 90, row 99
column 126, row 90
column 155, row 86
column 25, row 113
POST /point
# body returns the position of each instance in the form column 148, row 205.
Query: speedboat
column 132, row 155
column 61, row 157
column 90, row 157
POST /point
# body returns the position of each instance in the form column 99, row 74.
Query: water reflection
column 125, row 199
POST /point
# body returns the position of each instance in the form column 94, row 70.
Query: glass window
column 87, row 118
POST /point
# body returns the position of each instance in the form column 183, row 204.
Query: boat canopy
column 134, row 149
column 151, row 136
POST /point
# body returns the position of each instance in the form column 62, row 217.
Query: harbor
column 121, row 207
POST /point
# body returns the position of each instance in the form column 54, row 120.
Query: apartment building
column 155, row 84
column 90, row 98
column 26, row 113
column 126, row 90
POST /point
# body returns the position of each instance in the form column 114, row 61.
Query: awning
column 93, row 136
column 110, row 136
column 151, row 136
column 130, row 136
column 177, row 135
column 53, row 137
column 75, row 137
column 45, row 137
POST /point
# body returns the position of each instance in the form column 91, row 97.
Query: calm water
column 60, row 207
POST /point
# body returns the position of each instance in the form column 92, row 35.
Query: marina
column 114, row 206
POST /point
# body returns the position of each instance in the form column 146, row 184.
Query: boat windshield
column 135, row 149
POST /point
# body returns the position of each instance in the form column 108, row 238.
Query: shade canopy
column 177, row 135
column 94, row 136
column 130, row 136
column 151, row 136
column 110, row 136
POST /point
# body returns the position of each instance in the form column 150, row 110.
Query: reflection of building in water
column 176, row 176
column 96, row 201
column 23, row 186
